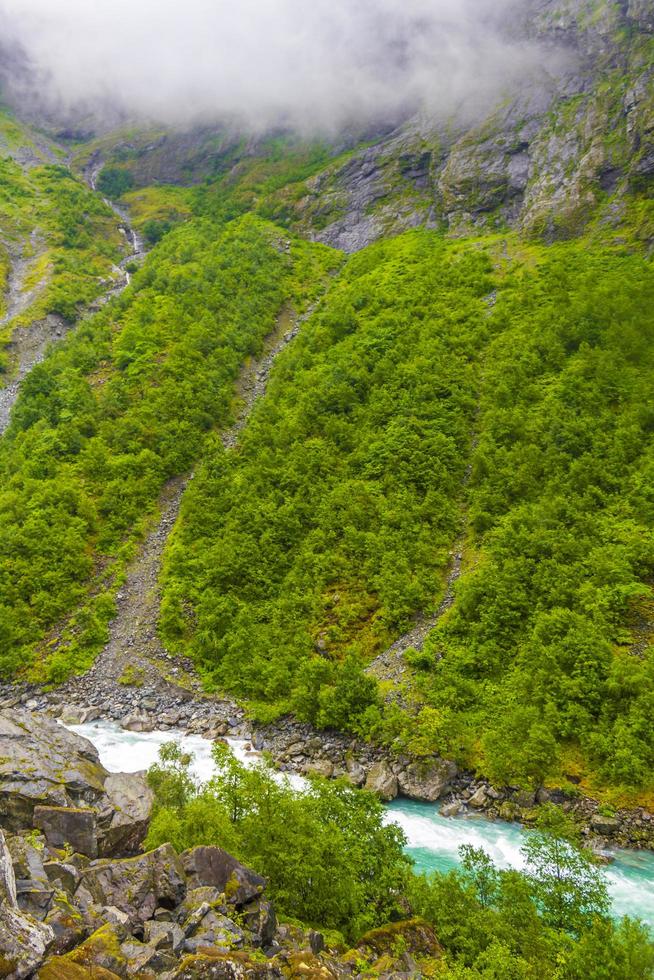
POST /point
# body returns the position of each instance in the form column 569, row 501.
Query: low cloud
column 312, row 64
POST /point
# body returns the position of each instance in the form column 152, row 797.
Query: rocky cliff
column 564, row 149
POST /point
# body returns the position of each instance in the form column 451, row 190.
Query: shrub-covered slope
column 332, row 524
column 304, row 554
column 125, row 404
column 59, row 242
column 548, row 646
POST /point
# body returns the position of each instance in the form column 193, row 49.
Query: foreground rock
column 201, row 914
column 52, row 780
column 43, row 764
column 24, row 941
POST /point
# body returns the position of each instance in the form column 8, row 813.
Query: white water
column 432, row 840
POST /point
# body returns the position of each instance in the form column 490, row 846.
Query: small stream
column 432, row 840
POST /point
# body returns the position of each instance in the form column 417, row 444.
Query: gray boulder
column 356, row 774
column 213, row 867
column 137, row 722
column 68, row 825
column 135, row 886
column 605, row 825
column 319, row 767
column 260, row 920
column 43, row 764
column 34, row 891
column 382, row 781
column 479, row 798
column 129, row 808
column 427, row 781
column 214, row 931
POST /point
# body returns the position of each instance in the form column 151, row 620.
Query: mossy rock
column 416, row 936
column 61, row 968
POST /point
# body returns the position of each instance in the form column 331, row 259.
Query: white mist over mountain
column 317, row 64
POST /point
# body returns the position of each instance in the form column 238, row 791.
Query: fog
column 317, row 64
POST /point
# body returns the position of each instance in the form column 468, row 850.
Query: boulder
column 214, row 931
column 414, row 935
column 524, row 798
column 24, row 942
column 65, row 877
column 43, row 764
column 427, row 781
column 319, row 767
column 137, row 722
column 479, row 798
column 129, row 806
column 167, row 935
column 67, row 924
column 216, row 868
column 136, row 886
column 452, row 809
column 356, row 774
column 605, row 825
column 68, row 825
column 146, row 960
column 382, row 781
column 260, row 920
column 194, row 899
column 34, row 891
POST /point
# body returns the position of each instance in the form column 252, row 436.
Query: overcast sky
column 319, row 63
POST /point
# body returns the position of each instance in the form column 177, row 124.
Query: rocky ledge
column 78, row 900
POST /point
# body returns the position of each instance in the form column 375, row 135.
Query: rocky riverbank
column 298, row 748
column 78, row 899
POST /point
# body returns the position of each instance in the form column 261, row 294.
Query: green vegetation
column 333, row 863
column 114, row 181
column 123, row 405
column 326, row 852
column 332, row 524
column 538, row 653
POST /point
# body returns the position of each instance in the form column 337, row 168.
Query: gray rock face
column 135, row 886
column 43, row 764
column 642, row 12
column 215, row 868
column 427, row 781
column 24, row 942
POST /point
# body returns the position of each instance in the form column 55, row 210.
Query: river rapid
column 432, row 840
